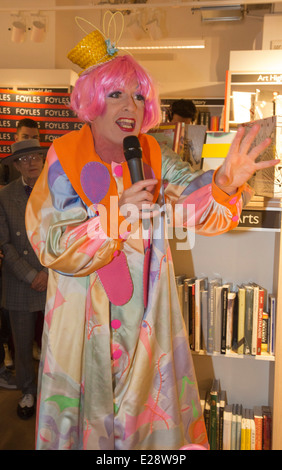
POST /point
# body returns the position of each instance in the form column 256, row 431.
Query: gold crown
column 94, row 49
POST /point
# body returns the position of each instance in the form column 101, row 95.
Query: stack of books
column 226, row 319
column 233, row 427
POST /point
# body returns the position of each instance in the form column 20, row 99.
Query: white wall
column 27, row 54
column 194, row 73
column 272, row 31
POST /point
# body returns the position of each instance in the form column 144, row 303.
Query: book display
column 229, row 292
column 234, row 427
column 251, row 96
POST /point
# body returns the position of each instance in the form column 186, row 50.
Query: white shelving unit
column 240, row 256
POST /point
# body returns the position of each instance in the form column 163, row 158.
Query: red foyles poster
column 50, row 109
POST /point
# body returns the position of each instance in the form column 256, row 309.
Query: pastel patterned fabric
column 116, row 370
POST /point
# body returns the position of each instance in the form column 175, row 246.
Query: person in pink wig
column 116, row 371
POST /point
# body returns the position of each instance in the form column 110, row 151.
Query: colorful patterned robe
column 116, row 371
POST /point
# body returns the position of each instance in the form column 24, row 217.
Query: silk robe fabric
column 116, row 371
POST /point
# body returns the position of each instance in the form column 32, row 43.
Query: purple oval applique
column 95, row 181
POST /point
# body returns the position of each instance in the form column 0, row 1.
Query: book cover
column 253, row 429
column 212, row 283
column 234, row 346
column 255, row 318
column 248, row 319
column 260, row 315
column 207, row 411
column 227, row 419
column 258, row 427
column 217, row 317
column 267, row 428
column 200, row 285
column 194, row 139
column 233, row 427
column 267, row 182
column 204, row 319
column 191, row 300
column 164, row 134
column 243, row 429
column 229, row 320
column 222, row 404
column 238, row 425
column 248, row 429
column 264, row 334
column 214, row 397
column 241, row 319
column 186, row 303
column 224, row 300
column 272, row 322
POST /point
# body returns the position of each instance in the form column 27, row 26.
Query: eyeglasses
column 28, row 158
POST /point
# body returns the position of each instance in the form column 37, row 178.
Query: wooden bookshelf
column 243, row 255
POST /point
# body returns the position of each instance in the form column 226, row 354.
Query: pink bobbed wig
column 88, row 96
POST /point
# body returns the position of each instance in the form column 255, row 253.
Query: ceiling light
column 18, row 30
column 38, row 30
column 165, row 44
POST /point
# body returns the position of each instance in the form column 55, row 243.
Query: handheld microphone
column 133, row 155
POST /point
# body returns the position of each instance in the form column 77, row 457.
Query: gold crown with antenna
column 96, row 48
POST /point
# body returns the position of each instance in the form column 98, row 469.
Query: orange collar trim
column 76, row 149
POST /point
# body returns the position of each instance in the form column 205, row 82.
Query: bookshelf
column 209, row 111
column 248, row 253
column 252, row 84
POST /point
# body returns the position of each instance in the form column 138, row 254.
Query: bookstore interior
column 229, row 286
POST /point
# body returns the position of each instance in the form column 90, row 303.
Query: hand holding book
column 240, row 163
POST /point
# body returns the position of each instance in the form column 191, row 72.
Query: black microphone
column 133, row 155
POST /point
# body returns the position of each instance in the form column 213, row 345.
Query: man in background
column 24, row 279
column 26, row 129
column 183, row 111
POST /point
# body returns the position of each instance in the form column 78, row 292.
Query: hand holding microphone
column 138, row 197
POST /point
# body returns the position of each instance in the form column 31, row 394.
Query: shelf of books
column 250, row 96
column 210, row 111
column 228, row 288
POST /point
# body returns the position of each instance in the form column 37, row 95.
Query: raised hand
column 240, row 163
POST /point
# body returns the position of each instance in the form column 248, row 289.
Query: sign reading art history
column 50, row 109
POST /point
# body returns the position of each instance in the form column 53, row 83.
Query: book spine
column 272, row 313
column 241, row 319
column 204, row 319
column 197, row 315
column 255, row 320
column 192, row 315
column 186, row 305
column 213, row 420
column 258, row 431
column 224, row 319
column 211, row 289
column 229, row 320
column 264, row 334
column 248, row 321
column 260, row 315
